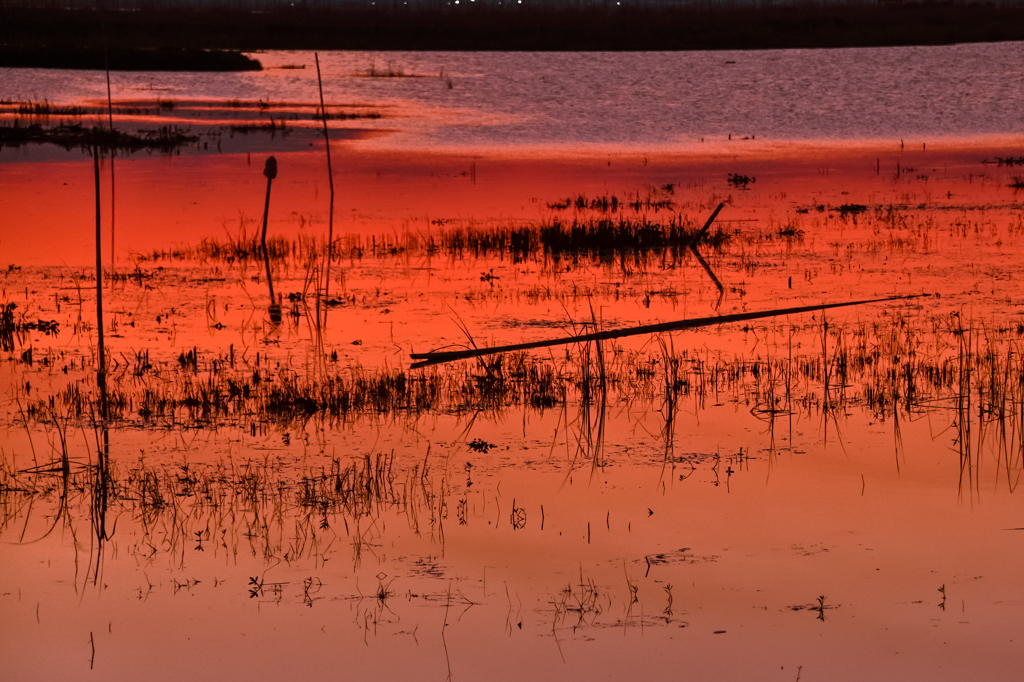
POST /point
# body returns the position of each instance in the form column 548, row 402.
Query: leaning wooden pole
column 330, row 180
column 437, row 357
column 707, row 226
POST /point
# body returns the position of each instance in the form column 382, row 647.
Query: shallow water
column 805, row 497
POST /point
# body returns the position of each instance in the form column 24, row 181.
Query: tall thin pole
column 330, row 180
column 101, row 372
column 110, row 121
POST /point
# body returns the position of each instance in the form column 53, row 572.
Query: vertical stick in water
column 330, row 180
column 269, row 170
column 100, row 496
column 101, row 372
column 110, row 120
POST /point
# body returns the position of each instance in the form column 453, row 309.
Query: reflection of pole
column 100, row 501
column 269, row 170
column 100, row 489
column 711, row 274
column 700, row 259
column 330, row 179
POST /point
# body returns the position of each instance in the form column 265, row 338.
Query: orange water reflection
column 586, row 542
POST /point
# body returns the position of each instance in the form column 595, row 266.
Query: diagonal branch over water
column 438, row 357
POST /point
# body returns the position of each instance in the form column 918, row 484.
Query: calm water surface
column 829, row 497
column 639, row 101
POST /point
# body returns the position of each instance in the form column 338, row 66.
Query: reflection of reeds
column 229, row 505
column 187, row 392
column 7, row 327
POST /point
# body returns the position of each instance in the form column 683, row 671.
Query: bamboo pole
column 438, row 357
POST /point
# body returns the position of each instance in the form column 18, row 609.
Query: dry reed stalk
column 270, row 171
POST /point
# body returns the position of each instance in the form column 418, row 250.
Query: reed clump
column 597, row 241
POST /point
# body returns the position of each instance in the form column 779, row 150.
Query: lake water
column 613, row 101
column 826, row 495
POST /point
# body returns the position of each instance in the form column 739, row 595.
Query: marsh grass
column 626, row 242
column 45, row 109
column 895, row 368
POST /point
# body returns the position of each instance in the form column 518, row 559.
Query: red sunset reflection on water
column 818, row 496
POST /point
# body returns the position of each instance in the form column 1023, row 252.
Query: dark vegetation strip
column 90, row 57
column 476, row 27
column 626, row 241
column 166, row 139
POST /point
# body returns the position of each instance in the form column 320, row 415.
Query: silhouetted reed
column 629, row 242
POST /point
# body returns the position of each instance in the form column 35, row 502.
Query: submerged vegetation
column 166, row 139
column 126, row 126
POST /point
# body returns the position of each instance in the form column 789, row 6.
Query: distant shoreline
column 125, row 58
column 489, row 29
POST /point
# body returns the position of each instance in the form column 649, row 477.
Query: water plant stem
column 269, row 170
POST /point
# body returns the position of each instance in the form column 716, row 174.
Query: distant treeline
column 501, row 24
column 461, row 5
column 125, row 58
column 438, row 5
